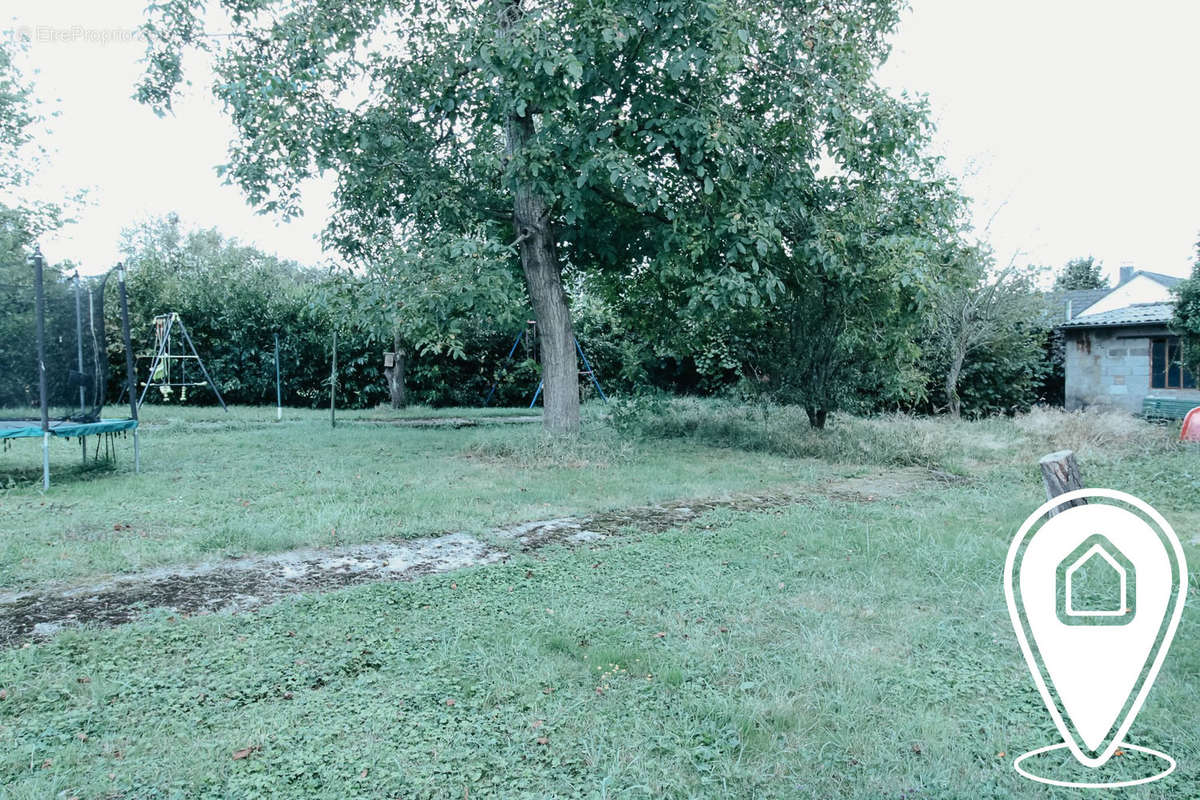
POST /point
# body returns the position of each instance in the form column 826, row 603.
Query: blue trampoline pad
column 25, row 429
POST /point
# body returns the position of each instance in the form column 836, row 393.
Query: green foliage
column 781, row 429
column 454, row 304
column 18, row 116
column 1003, row 377
column 233, row 300
column 862, row 256
column 1187, row 316
column 1081, row 273
column 985, row 344
column 21, row 223
column 677, row 147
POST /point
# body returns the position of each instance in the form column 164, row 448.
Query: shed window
column 1166, row 365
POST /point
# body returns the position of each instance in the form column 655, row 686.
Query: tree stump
column 1060, row 474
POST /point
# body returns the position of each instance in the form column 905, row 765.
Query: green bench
column 1167, row 407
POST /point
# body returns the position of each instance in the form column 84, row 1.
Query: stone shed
column 1117, row 358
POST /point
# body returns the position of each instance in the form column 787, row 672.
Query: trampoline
column 54, row 354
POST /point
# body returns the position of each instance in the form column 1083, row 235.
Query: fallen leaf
column 537, row 723
column 363, row 774
column 660, row 634
column 245, row 752
column 449, row 701
column 543, row 740
column 723, row 629
column 47, row 764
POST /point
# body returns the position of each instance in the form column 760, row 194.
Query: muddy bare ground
column 245, row 583
column 445, row 422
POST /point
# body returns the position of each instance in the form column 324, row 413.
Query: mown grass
column 831, row 650
column 826, row 650
column 214, row 485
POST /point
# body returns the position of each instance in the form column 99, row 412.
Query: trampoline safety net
column 76, row 357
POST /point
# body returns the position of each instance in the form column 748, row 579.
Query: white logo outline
column 1016, row 613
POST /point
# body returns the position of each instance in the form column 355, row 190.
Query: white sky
column 1073, row 123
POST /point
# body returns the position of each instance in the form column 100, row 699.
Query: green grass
column 215, row 485
column 825, row 650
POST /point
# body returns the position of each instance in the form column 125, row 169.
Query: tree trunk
column 954, row 404
column 816, row 417
column 543, row 276
column 395, row 375
column 1060, row 474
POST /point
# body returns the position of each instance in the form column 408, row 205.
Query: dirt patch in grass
column 242, row 584
column 444, row 422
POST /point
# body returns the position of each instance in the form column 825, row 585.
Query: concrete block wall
column 1110, row 367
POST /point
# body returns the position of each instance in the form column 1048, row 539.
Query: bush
column 896, row 440
column 891, row 440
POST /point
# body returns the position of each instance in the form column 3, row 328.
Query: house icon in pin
column 1096, row 585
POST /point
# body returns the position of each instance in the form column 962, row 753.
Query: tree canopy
column 1081, row 273
column 671, row 147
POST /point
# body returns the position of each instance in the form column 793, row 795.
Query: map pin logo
column 1095, row 593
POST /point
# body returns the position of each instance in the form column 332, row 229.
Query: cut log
column 1060, row 474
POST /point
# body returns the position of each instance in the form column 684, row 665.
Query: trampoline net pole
column 79, row 345
column 130, row 371
column 39, row 294
column 40, row 314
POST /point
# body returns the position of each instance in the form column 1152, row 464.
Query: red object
column 1191, row 427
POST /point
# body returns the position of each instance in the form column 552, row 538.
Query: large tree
column 624, row 137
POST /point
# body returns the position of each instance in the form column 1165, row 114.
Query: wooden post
column 278, row 391
column 1060, row 474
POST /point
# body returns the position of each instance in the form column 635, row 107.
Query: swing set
column 529, row 333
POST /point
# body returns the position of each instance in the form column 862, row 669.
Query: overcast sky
column 1072, row 124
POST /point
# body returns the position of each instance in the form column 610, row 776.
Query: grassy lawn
column 835, row 648
column 214, row 485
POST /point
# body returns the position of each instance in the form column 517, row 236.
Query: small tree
column 433, row 295
column 1081, row 273
column 985, row 312
column 1187, row 316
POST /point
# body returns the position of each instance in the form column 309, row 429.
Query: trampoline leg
column 45, row 461
column 83, row 448
column 137, row 453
